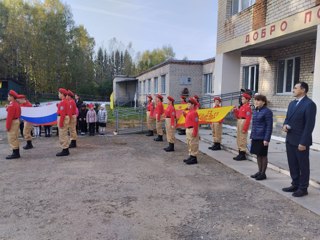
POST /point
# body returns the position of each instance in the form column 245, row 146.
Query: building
column 124, row 90
column 268, row 46
column 6, row 84
column 172, row 77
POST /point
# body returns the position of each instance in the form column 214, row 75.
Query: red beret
column 217, row 98
column 20, row 96
column 63, row 91
column 150, row 97
column 70, row 93
column 13, row 93
column 159, row 96
column 170, row 98
column 246, row 95
column 196, row 97
column 193, row 101
column 90, row 105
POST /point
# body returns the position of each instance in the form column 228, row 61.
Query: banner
column 111, row 101
column 207, row 116
column 43, row 115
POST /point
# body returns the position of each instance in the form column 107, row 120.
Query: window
column 239, row 5
column 149, row 86
column 288, row 74
column 207, row 83
column 251, row 77
column 144, row 87
column 163, row 84
column 155, row 86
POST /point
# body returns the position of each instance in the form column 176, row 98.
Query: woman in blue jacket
column 262, row 123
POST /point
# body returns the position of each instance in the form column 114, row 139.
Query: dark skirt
column 258, row 148
column 102, row 124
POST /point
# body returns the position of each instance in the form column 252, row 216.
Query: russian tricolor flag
column 42, row 115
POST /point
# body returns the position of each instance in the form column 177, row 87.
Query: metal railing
column 130, row 120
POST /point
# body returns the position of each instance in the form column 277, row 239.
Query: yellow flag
column 209, row 115
column 111, row 101
column 177, row 106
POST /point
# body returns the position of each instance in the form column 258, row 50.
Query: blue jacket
column 262, row 124
column 301, row 118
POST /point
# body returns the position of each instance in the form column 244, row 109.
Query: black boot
column 235, row 158
column 216, row 147
column 28, row 146
column 212, row 147
column 150, row 133
column 64, row 152
column 15, row 154
column 192, row 160
column 241, row 156
column 73, row 144
column 185, row 160
column 170, row 148
column 158, row 139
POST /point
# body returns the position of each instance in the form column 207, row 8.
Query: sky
column 189, row 26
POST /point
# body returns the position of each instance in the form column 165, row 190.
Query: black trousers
column 299, row 166
column 83, row 126
column 92, row 128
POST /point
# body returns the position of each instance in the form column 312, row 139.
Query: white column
column 315, row 92
column 227, row 73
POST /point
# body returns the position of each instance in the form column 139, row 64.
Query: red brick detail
column 259, row 14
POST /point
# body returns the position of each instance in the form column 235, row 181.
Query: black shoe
column 240, row 157
column 300, row 193
column 73, row 144
column 170, row 148
column 211, row 148
column 262, row 176
column 150, row 133
column 255, row 175
column 192, row 160
column 15, row 154
column 216, row 147
column 158, row 139
column 64, row 152
column 28, row 146
column 186, row 160
column 290, row 189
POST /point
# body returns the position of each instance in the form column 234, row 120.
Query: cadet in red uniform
column 27, row 126
column 159, row 118
column 12, row 124
column 73, row 120
column 150, row 119
column 243, row 114
column 192, row 132
column 216, row 128
column 63, row 122
column 196, row 97
column 170, row 116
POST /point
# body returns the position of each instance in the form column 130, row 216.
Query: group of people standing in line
column 67, row 122
column 299, row 124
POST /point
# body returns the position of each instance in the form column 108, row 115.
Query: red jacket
column 26, row 104
column 159, row 110
column 170, row 112
column 192, row 120
column 63, row 111
column 14, row 112
column 150, row 108
column 244, row 112
column 73, row 107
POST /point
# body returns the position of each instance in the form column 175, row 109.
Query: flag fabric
column 111, row 101
column 42, row 115
column 207, row 116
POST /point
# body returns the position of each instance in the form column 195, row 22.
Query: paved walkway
column 278, row 170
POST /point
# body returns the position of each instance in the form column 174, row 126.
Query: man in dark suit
column 298, row 125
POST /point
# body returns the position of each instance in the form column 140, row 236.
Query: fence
column 130, row 120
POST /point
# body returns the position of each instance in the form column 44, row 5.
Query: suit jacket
column 301, row 118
